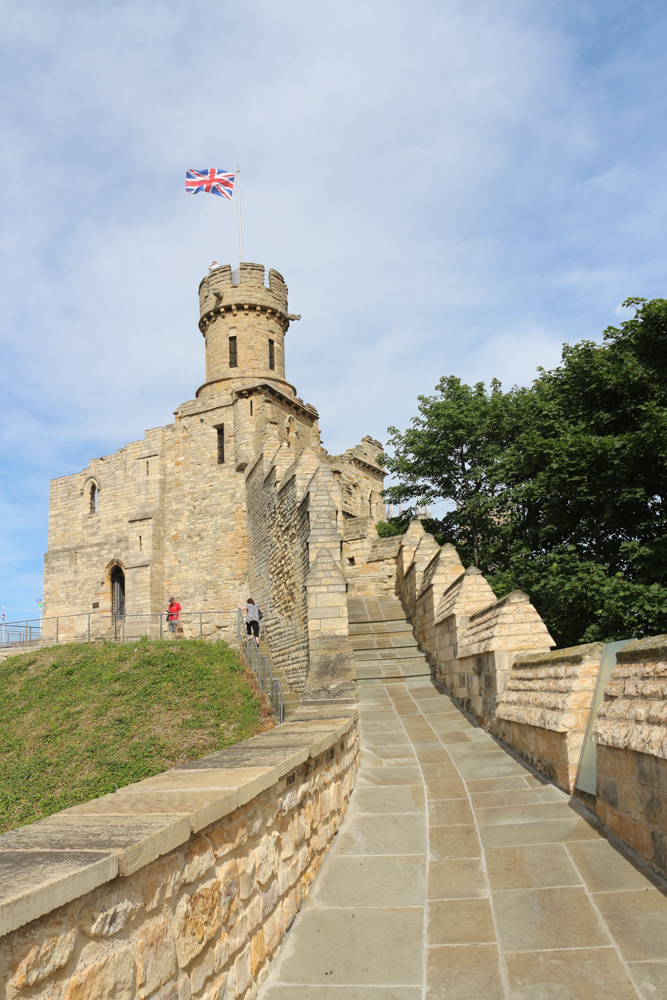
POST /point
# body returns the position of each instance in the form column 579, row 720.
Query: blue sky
column 447, row 187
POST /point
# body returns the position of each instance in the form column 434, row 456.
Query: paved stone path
column 458, row 873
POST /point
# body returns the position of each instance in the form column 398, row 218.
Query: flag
column 213, row 181
column 39, row 602
column 3, row 612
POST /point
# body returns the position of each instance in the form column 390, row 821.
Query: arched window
column 93, row 498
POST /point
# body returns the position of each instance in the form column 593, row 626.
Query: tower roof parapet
column 226, row 290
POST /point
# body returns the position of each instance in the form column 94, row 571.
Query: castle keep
column 237, row 496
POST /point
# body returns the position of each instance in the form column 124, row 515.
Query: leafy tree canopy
column 558, row 489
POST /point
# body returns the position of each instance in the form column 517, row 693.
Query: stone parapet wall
column 469, row 638
column 544, row 709
column 182, row 885
column 631, row 737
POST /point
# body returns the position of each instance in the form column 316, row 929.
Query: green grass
column 78, row 721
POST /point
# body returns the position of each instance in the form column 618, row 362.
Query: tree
column 449, row 453
column 561, row 489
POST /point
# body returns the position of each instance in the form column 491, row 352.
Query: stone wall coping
column 571, row 654
column 515, row 597
column 293, row 401
column 384, row 548
column 653, row 647
column 49, row 863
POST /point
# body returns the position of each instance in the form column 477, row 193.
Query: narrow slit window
column 221, row 445
column 251, row 407
column 233, row 356
column 93, row 499
column 147, row 469
column 272, row 355
column 141, row 549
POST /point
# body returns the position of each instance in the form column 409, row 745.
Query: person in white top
column 253, row 615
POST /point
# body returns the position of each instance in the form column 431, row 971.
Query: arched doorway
column 117, row 592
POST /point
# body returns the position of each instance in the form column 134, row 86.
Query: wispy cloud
column 448, row 187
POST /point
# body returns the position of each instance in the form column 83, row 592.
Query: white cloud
column 447, row 187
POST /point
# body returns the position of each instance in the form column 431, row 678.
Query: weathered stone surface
column 160, row 880
column 155, row 956
column 108, row 979
column 201, row 806
column 136, row 840
column 199, row 858
column 332, row 675
column 544, row 709
column 631, row 736
column 39, row 952
column 196, row 921
column 633, row 714
column 108, row 910
column 35, row 882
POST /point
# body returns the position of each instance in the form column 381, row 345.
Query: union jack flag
column 213, row 181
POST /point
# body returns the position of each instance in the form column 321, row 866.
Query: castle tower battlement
column 244, row 323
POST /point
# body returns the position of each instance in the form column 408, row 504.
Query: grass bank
column 78, row 721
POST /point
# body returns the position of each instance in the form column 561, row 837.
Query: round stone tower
column 244, row 323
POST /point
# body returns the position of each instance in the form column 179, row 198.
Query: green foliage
column 80, row 721
column 393, row 526
column 560, row 489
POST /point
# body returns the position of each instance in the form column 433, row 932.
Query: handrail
column 260, row 666
column 91, row 625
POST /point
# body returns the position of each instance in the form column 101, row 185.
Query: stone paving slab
column 464, row 875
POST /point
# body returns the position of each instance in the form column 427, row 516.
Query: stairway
column 292, row 699
column 381, row 636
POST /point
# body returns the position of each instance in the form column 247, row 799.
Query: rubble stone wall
column 203, row 919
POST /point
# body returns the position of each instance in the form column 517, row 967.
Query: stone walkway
column 458, row 873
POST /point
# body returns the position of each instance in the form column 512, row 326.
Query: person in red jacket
column 173, row 614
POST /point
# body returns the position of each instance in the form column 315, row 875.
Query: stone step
column 393, row 668
column 408, row 653
column 374, row 609
column 380, row 628
column 369, row 671
column 401, row 640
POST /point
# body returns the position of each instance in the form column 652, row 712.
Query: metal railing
column 260, row 666
column 95, row 626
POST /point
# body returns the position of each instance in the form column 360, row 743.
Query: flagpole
column 238, row 202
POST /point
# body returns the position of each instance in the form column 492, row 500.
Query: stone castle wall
column 193, row 886
column 219, row 505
